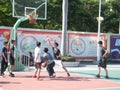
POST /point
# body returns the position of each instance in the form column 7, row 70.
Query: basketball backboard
column 22, row 8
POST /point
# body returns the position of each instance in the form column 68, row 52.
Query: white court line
column 103, row 88
column 1, row 89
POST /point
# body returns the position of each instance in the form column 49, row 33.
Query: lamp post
column 64, row 27
column 99, row 27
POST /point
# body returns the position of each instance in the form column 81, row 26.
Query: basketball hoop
column 32, row 18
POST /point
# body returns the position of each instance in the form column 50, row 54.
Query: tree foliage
column 6, row 13
column 82, row 16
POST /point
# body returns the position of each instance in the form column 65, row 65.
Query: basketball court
column 82, row 78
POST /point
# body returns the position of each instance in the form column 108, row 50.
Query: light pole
column 99, row 27
column 64, row 26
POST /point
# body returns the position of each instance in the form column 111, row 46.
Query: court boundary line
column 103, row 88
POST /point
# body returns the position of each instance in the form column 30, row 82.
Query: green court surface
column 114, row 75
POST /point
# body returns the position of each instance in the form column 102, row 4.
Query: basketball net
column 32, row 18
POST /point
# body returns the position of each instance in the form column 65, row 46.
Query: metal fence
column 24, row 61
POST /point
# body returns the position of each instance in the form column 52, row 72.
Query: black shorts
column 12, row 61
column 102, row 63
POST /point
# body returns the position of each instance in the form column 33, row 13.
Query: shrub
column 68, row 58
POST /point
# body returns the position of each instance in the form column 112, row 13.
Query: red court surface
column 23, row 81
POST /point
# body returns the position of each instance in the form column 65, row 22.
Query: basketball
column 44, row 64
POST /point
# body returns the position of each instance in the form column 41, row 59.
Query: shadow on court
column 5, row 82
column 72, row 79
column 59, row 78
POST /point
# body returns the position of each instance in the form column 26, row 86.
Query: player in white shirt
column 37, row 61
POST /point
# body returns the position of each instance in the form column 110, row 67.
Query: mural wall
column 115, row 46
column 4, row 36
column 81, row 45
column 84, row 46
column 27, row 40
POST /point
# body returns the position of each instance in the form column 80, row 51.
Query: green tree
column 54, row 16
column 111, row 14
column 81, row 16
column 6, row 13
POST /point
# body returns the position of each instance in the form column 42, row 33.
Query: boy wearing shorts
column 4, row 61
column 37, row 61
column 103, row 60
column 57, row 57
column 12, row 58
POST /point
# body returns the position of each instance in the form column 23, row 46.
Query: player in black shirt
column 56, row 52
column 57, row 57
column 12, row 58
column 103, row 60
column 4, row 62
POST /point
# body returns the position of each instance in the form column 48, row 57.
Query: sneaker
column 11, row 75
column 38, row 78
column 54, row 75
column 34, row 76
column 98, row 76
column 106, row 77
column 2, row 75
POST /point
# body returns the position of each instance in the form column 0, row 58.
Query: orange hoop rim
column 32, row 18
